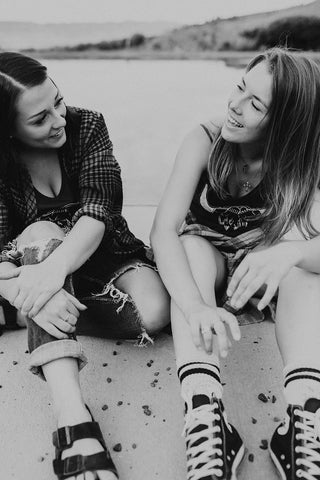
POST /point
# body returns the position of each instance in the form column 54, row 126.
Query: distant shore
column 231, row 58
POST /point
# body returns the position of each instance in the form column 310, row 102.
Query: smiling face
column 248, row 107
column 40, row 121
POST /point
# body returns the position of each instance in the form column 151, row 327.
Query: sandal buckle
column 73, row 465
column 63, row 438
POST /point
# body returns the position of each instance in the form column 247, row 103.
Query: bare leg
column 149, row 295
column 63, row 380
column 62, row 375
column 298, row 317
column 214, row 448
column 208, row 270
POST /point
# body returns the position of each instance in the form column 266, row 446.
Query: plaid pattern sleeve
column 99, row 180
column 5, row 229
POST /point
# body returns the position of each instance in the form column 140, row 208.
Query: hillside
column 224, row 34
column 18, row 35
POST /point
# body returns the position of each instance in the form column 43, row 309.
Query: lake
column 149, row 106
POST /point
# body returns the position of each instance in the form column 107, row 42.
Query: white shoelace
column 310, row 435
column 209, row 451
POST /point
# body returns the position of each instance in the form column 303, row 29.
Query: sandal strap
column 64, row 437
column 77, row 464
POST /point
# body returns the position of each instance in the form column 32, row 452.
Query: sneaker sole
column 237, row 460
column 277, row 465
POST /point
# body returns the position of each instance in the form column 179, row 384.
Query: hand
column 35, row 285
column 262, row 267
column 206, row 321
column 60, row 314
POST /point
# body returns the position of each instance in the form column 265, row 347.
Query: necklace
column 244, row 184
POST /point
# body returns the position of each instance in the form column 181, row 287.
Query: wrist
column 58, row 263
column 190, row 308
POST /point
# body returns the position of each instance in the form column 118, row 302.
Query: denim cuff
column 53, row 351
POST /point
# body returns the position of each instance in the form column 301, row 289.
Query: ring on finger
column 206, row 330
column 67, row 318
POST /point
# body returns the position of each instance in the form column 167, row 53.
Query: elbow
column 160, row 235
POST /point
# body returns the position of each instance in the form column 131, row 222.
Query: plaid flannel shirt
column 96, row 175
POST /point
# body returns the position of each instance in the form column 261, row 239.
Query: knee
column 299, row 280
column 155, row 312
column 40, row 231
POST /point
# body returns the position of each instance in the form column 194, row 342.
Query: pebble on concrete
column 262, row 398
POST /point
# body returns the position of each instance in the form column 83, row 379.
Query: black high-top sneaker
column 214, row 447
column 295, row 445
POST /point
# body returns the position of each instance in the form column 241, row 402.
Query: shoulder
column 88, row 128
column 83, row 117
column 212, row 127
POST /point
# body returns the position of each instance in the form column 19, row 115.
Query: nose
column 235, row 106
column 58, row 120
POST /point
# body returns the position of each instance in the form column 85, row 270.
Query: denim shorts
column 111, row 312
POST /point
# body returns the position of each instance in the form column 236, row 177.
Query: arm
column 268, row 266
column 171, row 260
column 100, row 190
column 169, row 253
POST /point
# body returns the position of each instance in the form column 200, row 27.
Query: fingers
column 195, row 333
column 75, row 301
column 51, row 329
column 236, row 277
column 10, row 274
column 39, row 303
column 63, row 325
column 222, row 338
column 70, row 319
column 232, row 322
column 268, row 294
column 247, row 287
column 206, row 332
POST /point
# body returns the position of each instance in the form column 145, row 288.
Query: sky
column 178, row 11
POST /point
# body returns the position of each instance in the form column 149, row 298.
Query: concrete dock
column 134, row 395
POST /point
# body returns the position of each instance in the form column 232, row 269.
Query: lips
column 233, row 123
column 59, row 133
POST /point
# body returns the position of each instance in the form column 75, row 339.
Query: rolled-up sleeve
column 100, row 185
column 5, row 230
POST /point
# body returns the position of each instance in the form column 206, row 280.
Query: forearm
column 78, row 245
column 175, row 270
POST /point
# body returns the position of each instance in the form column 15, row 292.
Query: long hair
column 291, row 156
column 18, row 73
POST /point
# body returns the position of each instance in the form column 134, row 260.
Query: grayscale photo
column 160, row 240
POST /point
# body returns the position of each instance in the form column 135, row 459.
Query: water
column 149, row 106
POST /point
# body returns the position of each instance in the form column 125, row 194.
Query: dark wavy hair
column 17, row 73
column 291, row 157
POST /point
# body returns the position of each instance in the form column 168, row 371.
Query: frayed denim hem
column 119, row 297
column 53, row 351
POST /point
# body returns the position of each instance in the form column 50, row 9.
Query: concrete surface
column 122, row 379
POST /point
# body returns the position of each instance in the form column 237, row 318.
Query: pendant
column 247, row 186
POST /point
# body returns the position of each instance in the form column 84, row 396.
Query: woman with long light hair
column 240, row 218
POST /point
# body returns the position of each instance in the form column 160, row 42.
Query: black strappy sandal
column 64, row 438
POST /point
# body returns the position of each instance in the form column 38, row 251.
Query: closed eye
column 59, row 101
column 255, row 107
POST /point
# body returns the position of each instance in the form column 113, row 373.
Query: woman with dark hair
column 240, row 218
column 66, row 250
